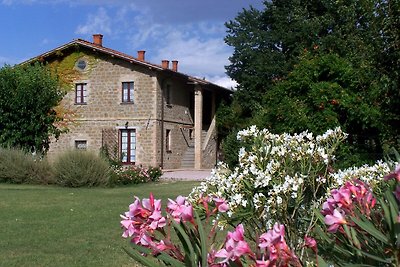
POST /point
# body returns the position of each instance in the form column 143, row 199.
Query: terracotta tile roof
column 127, row 58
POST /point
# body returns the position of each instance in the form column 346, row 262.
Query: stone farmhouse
column 139, row 112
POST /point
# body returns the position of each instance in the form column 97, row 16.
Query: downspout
column 162, row 123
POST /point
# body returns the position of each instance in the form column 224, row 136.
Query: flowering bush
column 362, row 229
column 272, row 199
column 282, row 178
column 150, row 234
column 135, row 175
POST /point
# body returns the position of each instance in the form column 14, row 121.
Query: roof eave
column 125, row 57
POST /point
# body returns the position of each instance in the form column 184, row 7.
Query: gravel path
column 186, row 175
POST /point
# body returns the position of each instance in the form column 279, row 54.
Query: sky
column 190, row 31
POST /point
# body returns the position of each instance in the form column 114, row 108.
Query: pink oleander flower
column 263, row 263
column 342, row 197
column 328, row 206
column 394, row 175
column 163, row 245
column 354, row 194
column 273, row 236
column 221, row 204
column 142, row 219
column 180, row 209
column 334, row 220
column 235, row 246
column 310, row 243
column 277, row 252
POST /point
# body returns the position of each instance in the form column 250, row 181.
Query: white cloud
column 99, row 22
column 199, row 47
column 196, row 56
column 223, row 81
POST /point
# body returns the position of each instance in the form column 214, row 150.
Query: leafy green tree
column 352, row 46
column 325, row 91
column 28, row 95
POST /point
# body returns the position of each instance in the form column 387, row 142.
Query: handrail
column 184, row 137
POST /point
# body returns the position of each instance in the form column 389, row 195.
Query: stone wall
column 177, row 119
column 104, row 108
column 149, row 114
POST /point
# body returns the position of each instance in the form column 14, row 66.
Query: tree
column 350, row 45
column 28, row 95
column 322, row 92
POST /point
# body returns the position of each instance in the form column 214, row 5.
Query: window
column 81, row 64
column 128, row 146
column 127, row 92
column 80, row 144
column 168, row 140
column 80, row 93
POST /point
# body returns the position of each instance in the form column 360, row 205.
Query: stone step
column 187, row 161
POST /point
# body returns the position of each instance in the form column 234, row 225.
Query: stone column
column 198, row 125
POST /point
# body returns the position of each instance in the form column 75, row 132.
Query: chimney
column 140, row 55
column 175, row 65
column 165, row 64
column 98, row 39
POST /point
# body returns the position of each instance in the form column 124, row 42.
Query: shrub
column 281, row 178
column 154, row 173
column 124, row 175
column 18, row 166
column 81, row 168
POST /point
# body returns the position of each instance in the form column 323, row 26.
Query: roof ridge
column 123, row 56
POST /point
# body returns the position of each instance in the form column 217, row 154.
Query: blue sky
column 190, row 31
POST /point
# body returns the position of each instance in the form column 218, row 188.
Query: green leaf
column 370, row 228
column 168, row 260
column 394, row 208
column 386, row 213
column 141, row 259
column 356, row 242
column 203, row 240
column 376, row 257
column 322, row 234
column 348, row 234
column 319, row 215
column 190, row 255
column 321, row 262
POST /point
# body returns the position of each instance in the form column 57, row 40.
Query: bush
column 17, row 166
column 81, row 168
column 124, row 175
column 154, row 173
column 281, row 179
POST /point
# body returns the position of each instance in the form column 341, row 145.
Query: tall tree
column 269, row 55
column 28, row 95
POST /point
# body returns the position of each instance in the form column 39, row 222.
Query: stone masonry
column 162, row 114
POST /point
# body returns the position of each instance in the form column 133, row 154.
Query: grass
column 53, row 226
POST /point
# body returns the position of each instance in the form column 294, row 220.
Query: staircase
column 188, row 157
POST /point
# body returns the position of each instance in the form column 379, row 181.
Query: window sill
column 127, row 103
column 128, row 163
column 80, row 104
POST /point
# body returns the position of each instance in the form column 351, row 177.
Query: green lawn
column 53, row 226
